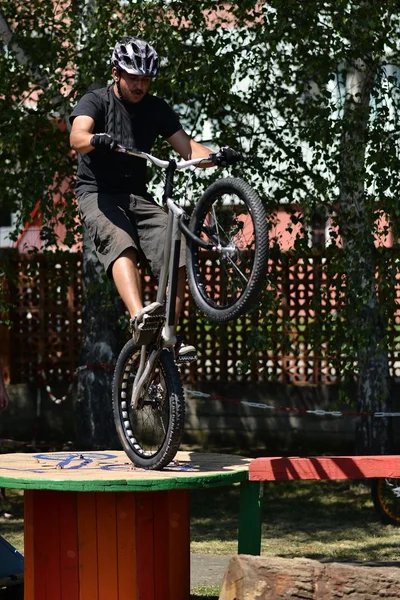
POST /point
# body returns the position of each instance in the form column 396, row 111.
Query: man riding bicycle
column 122, row 219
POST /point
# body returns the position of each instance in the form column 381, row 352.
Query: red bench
column 312, row 468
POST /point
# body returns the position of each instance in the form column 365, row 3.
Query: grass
column 13, row 529
column 325, row 520
column 318, row 520
column 205, row 593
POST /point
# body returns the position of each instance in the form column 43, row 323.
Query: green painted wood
column 249, row 537
column 112, row 472
column 123, row 485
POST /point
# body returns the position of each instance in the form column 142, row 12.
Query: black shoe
column 146, row 323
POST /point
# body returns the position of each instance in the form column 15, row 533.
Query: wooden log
column 250, row 577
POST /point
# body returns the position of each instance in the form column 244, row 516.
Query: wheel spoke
column 227, row 223
column 236, row 268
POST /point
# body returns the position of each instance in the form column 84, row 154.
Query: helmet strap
column 117, row 79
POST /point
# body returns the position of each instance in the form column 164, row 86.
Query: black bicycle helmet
column 136, row 57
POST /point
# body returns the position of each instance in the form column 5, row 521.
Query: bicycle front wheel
column 386, row 498
column 152, row 432
column 225, row 281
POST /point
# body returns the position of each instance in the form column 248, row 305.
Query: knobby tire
column 163, row 404
column 247, row 268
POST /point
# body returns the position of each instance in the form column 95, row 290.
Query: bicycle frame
column 169, row 271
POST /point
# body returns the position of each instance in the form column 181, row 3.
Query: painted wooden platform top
column 113, row 471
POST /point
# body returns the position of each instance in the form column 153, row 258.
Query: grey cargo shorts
column 116, row 222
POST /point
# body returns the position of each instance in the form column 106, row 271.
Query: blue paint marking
column 69, row 459
column 22, row 469
column 65, row 455
column 72, row 461
column 178, row 467
column 66, row 458
column 124, row 467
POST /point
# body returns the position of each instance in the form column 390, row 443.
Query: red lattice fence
column 46, row 296
column 294, row 338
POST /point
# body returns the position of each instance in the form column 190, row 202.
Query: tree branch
column 6, row 36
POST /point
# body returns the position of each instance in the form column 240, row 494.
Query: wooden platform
column 112, row 471
column 97, row 528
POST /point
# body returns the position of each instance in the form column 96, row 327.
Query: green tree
column 52, row 53
column 328, row 99
column 309, row 90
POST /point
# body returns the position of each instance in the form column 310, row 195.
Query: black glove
column 227, row 156
column 103, row 142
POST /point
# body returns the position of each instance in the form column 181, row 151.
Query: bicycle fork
column 142, row 376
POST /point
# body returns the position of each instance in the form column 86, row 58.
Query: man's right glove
column 227, row 156
column 103, row 142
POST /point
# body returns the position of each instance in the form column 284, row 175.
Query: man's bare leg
column 144, row 321
column 127, row 280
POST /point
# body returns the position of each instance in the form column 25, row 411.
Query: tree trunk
column 4, row 400
column 100, row 345
column 366, row 326
column 262, row 578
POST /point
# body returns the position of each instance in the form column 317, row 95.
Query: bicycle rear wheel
column 225, row 283
column 386, row 498
column 151, row 433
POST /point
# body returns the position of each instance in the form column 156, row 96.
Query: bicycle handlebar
column 182, row 164
column 163, row 164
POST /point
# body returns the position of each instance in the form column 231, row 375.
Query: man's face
column 132, row 87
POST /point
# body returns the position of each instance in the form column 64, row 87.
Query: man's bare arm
column 189, row 148
column 81, row 134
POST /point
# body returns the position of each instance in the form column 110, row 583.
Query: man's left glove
column 227, row 156
column 103, row 142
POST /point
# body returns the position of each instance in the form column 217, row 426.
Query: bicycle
column 227, row 230
column 385, row 494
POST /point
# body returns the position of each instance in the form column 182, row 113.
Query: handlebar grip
column 226, row 156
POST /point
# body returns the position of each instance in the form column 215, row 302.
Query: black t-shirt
column 116, row 172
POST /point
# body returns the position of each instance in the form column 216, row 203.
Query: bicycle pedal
column 147, row 329
column 189, row 358
column 151, row 322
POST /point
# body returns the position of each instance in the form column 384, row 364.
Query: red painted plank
column 162, row 558
column 46, row 545
column 145, row 545
column 29, row 563
column 317, row 468
column 69, row 546
column 87, row 546
column 179, row 544
column 107, row 546
column 50, row 519
column 126, row 546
